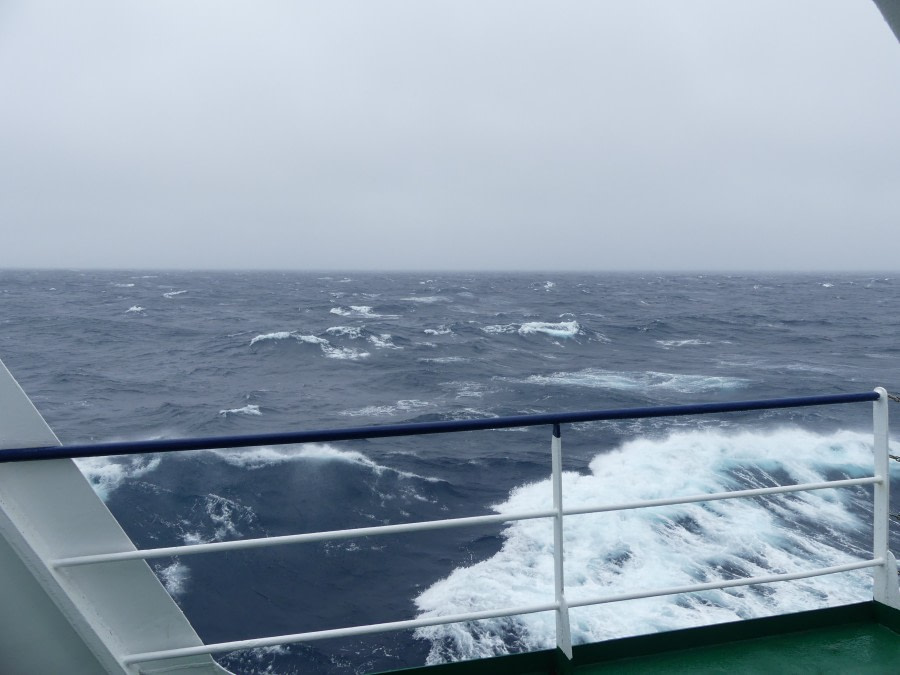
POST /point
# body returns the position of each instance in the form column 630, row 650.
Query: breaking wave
column 597, row 378
column 563, row 329
column 105, row 474
column 329, row 350
column 627, row 551
column 362, row 311
column 246, row 410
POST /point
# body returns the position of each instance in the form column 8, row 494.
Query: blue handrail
column 417, row 429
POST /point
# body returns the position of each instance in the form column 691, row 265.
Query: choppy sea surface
column 127, row 355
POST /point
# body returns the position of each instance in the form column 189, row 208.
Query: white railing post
column 563, row 635
column 885, row 589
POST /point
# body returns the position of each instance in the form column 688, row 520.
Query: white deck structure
column 80, row 620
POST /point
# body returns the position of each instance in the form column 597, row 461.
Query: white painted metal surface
column 885, row 588
column 310, row 537
column 731, row 583
column 345, row 632
column 563, row 634
column 72, row 621
column 306, row 538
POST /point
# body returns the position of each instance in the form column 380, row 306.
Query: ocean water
column 132, row 354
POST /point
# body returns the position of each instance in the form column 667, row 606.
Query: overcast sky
column 431, row 134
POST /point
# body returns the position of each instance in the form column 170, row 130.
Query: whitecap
column 612, row 553
column 404, row 405
column 669, row 344
column 383, row 341
column 329, row 350
column 279, row 335
column 363, row 311
column 597, row 378
column 174, row 577
column 500, row 329
column 172, row 294
column 246, row 410
column 121, row 286
column 105, row 474
column 351, row 332
column 561, row 329
column 135, row 309
column 263, row 456
column 427, row 299
column 440, row 330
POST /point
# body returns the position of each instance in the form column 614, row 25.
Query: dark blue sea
column 129, row 355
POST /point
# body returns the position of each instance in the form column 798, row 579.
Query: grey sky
column 433, row 134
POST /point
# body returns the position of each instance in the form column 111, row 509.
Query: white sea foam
column 263, row 456
column 135, row 309
column 220, row 521
column 597, row 378
column 279, row 335
column 123, row 285
column 562, row 329
column 327, row 348
column 246, row 410
column 444, row 359
column 669, row 344
column 404, row 405
column 827, row 285
column 174, row 577
column 440, row 330
column 351, row 332
column 105, row 474
column 427, row 299
column 356, row 310
column 172, row 294
column 613, row 553
column 500, row 329
column 383, row 341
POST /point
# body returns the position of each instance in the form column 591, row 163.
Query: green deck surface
column 855, row 648
column 861, row 638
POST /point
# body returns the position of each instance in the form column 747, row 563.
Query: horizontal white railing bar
column 219, row 647
column 715, row 496
column 730, row 583
column 311, row 537
column 262, row 542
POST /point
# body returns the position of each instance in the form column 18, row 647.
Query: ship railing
column 883, row 562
